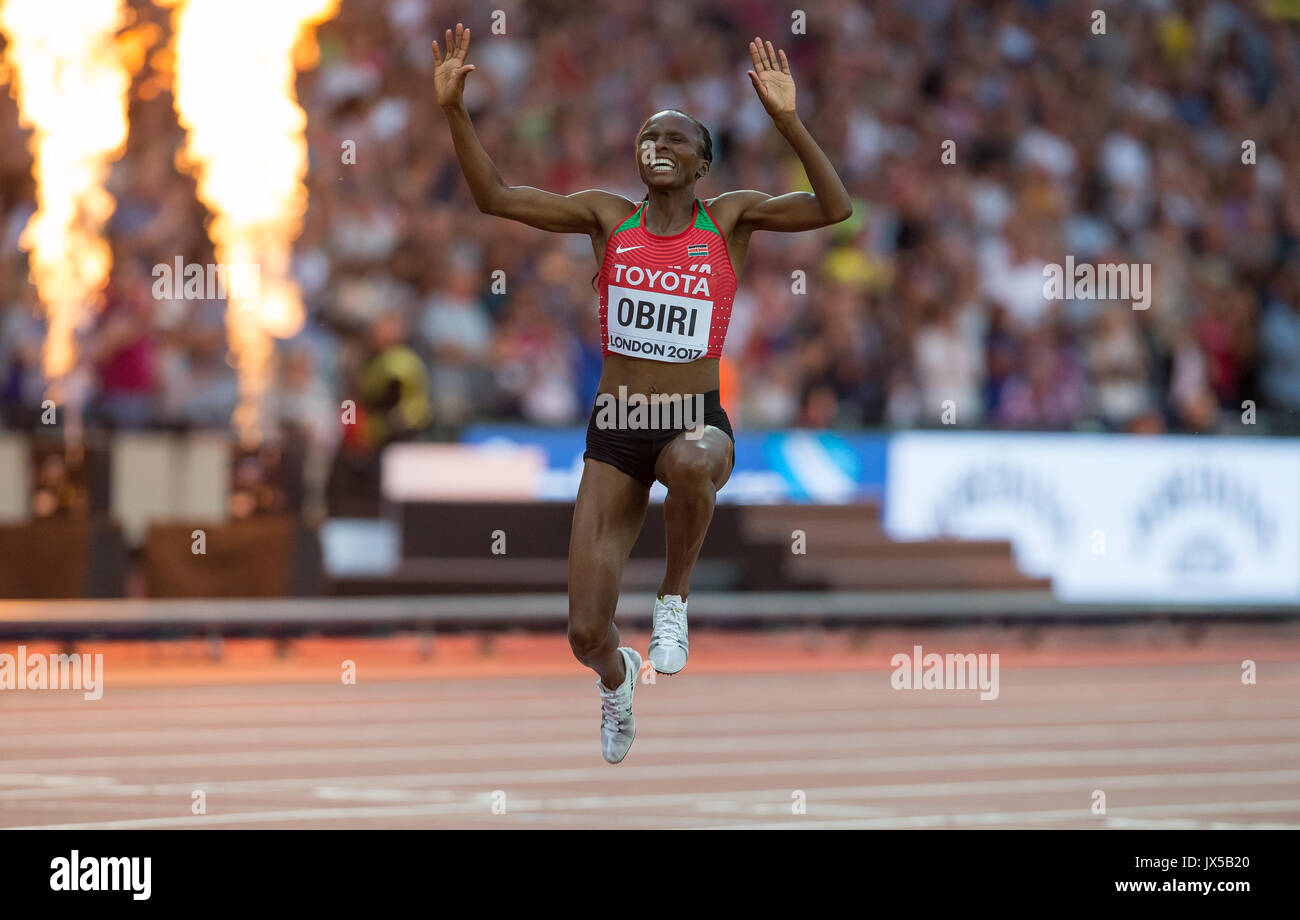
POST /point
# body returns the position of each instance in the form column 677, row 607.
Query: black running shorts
column 617, row 437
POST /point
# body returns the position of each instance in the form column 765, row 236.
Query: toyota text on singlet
column 666, row 298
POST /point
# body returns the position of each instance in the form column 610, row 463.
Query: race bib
column 659, row 326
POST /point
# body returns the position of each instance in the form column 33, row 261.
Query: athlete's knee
column 586, row 635
column 692, row 465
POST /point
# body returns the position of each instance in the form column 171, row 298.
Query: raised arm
column 829, row 201
column 582, row 212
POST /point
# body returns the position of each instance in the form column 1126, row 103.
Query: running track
column 1155, row 717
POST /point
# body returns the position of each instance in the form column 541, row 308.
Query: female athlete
column 668, row 274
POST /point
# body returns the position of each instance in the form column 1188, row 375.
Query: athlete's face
column 668, row 152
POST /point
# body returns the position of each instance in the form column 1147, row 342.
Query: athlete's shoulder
column 608, row 207
column 728, row 207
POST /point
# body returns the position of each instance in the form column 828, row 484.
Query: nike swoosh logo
column 619, row 250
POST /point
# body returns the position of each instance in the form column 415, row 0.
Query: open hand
column 771, row 78
column 449, row 75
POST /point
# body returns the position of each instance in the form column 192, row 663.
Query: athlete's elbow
column 840, row 213
column 492, row 202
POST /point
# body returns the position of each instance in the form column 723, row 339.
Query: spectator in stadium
column 393, row 385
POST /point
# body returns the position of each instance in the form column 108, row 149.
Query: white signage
column 1112, row 517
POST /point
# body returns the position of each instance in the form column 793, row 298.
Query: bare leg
column 693, row 471
column 607, row 519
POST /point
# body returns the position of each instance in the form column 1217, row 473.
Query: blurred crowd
column 980, row 142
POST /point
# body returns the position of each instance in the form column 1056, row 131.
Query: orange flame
column 235, row 96
column 71, row 86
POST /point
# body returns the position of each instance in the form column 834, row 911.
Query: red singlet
column 666, row 298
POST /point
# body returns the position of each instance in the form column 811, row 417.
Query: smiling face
column 670, row 151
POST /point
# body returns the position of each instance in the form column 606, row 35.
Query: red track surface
column 1157, row 719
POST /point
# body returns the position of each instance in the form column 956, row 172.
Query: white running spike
column 669, row 644
column 617, row 724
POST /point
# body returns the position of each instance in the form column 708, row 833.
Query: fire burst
column 235, row 96
column 71, row 87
